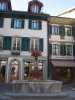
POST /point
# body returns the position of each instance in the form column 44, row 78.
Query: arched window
column 14, row 68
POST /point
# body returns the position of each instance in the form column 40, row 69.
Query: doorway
column 14, row 73
column 2, row 70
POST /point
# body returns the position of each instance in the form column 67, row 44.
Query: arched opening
column 2, row 70
column 14, row 73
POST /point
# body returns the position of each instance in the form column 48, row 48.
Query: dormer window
column 3, row 6
column 34, row 9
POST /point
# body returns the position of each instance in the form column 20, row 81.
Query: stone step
column 28, row 96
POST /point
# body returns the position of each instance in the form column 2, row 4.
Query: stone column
column 45, row 70
column 22, row 70
column 7, row 72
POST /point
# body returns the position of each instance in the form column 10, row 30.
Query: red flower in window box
column 36, row 53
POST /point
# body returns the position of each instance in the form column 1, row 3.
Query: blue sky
column 52, row 7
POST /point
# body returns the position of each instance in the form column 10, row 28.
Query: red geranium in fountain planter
column 36, row 54
column 36, row 74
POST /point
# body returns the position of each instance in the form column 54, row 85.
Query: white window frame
column 35, row 25
column 34, row 9
column 69, row 50
column 3, row 6
column 68, row 30
column 55, row 30
column 17, row 23
column 15, row 44
column 55, row 49
column 34, row 43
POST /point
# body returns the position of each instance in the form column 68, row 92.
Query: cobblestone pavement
column 7, row 88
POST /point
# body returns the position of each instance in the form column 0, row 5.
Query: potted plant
column 36, row 54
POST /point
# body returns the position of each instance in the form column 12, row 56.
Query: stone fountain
column 36, row 88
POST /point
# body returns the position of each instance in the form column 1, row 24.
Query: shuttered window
column 16, row 44
column 35, row 24
column 25, row 44
column 50, row 49
column 62, row 49
column 73, row 30
column 41, row 44
column 69, row 50
column 1, row 22
column 74, row 50
column 55, row 49
column 49, row 29
column 37, row 44
column 7, row 43
column 62, row 30
column 17, row 23
column 55, row 30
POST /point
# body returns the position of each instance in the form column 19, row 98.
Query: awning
column 63, row 63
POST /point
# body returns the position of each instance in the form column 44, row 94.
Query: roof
column 23, row 15
column 61, row 20
column 67, row 11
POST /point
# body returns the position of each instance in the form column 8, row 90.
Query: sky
column 52, row 7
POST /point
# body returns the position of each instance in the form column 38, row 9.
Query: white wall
column 8, row 31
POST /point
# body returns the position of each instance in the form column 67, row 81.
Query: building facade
column 23, row 32
column 20, row 33
column 62, row 48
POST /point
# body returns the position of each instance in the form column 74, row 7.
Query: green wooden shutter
column 49, row 29
column 50, row 49
column 25, row 46
column 62, row 30
column 22, row 25
column 7, row 43
column 40, row 25
column 62, row 49
column 12, row 23
column 30, row 22
column 74, row 50
column 73, row 30
column 1, row 22
column 41, row 44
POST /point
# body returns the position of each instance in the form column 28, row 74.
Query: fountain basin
column 46, row 86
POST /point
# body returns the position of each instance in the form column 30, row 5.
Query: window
column 17, row 23
column 55, row 30
column 16, row 44
column 55, row 49
column 34, row 9
column 68, row 31
column 3, row 6
column 69, row 50
column 35, row 25
column 1, row 43
column 34, row 44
